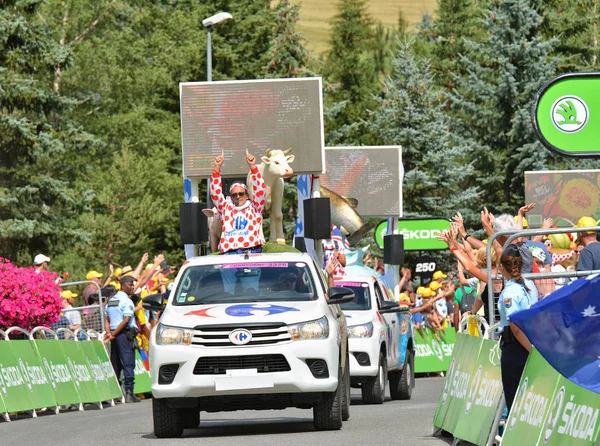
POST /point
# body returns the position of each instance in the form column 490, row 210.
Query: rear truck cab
column 380, row 338
column 251, row 331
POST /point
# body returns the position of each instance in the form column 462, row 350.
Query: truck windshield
column 362, row 296
column 245, row 282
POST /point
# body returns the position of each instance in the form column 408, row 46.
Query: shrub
column 27, row 299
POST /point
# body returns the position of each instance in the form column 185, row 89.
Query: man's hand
column 108, row 337
column 251, row 160
column 487, row 220
column 219, row 160
column 547, row 223
column 458, row 219
column 158, row 260
column 331, row 265
column 144, row 258
column 523, row 210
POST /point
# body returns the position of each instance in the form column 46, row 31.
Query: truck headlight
column 361, row 331
column 166, row 335
column 318, row 329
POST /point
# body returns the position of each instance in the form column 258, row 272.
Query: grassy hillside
column 315, row 16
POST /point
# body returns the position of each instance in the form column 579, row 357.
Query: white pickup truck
column 253, row 331
column 380, row 339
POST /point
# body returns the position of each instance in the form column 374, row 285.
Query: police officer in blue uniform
column 518, row 294
column 121, row 332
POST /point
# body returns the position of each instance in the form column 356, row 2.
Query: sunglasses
column 238, row 194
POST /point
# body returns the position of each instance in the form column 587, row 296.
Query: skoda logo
column 473, row 390
column 2, row 385
column 25, row 375
column 240, row 337
column 448, row 380
column 49, row 373
column 518, row 403
column 555, row 411
column 569, row 114
column 437, row 349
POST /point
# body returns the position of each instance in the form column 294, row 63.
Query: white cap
column 40, row 258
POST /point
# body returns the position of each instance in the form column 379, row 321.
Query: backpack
column 468, row 299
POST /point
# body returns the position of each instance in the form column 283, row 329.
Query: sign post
column 566, row 115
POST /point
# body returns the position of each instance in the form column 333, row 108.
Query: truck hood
column 358, row 317
column 190, row 316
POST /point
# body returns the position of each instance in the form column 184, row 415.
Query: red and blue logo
column 240, row 336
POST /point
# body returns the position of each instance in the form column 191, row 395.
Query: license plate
column 243, row 380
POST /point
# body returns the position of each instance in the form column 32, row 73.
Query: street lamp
column 208, row 23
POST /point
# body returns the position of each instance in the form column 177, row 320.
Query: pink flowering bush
column 27, row 299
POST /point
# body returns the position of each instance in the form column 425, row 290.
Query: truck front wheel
column 168, row 422
column 373, row 390
column 327, row 413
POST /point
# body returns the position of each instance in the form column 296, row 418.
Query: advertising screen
column 369, row 178
column 563, row 195
column 254, row 115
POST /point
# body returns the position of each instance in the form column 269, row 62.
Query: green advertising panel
column 78, row 367
column 14, row 388
column 463, row 371
column 532, row 402
column 419, row 235
column 431, row 355
column 96, row 369
column 108, row 370
column 57, row 370
column 142, row 382
column 573, row 416
column 566, row 114
column 40, row 388
column 483, row 397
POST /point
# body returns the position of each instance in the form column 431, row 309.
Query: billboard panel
column 563, row 195
column 257, row 115
column 371, row 175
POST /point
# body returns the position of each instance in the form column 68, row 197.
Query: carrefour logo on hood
column 245, row 310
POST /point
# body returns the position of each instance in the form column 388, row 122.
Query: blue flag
column 565, row 329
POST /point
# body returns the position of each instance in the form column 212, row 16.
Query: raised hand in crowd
column 219, row 160
column 487, row 220
column 547, row 223
column 522, row 212
column 459, row 221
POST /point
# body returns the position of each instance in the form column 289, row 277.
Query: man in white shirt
column 72, row 315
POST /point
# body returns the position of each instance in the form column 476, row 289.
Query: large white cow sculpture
column 274, row 168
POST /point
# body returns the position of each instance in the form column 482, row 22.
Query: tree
column 437, row 168
column 288, row 54
column 575, row 25
column 492, row 103
column 38, row 200
column 349, row 67
column 455, row 21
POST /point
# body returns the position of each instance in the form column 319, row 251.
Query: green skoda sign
column 419, row 235
column 566, row 114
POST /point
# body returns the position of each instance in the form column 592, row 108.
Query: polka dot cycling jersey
column 241, row 225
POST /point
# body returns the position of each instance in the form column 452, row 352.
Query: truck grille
column 218, row 365
column 262, row 334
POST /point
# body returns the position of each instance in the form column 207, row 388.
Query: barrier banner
column 432, row 355
column 23, row 382
column 482, row 399
column 2, row 406
column 96, row 370
column 550, row 410
column 57, row 371
column 142, row 382
column 114, row 389
column 77, row 363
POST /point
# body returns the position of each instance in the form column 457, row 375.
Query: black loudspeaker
column 300, row 243
column 317, row 219
column 393, row 249
column 193, row 225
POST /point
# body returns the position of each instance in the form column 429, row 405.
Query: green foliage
column 288, row 54
column 349, row 66
column 437, row 170
column 38, row 199
column 493, row 101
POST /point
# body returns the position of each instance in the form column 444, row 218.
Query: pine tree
column 437, row 170
column 455, row 21
column 288, row 54
column 38, row 201
column 349, row 67
column 576, row 26
column 493, row 102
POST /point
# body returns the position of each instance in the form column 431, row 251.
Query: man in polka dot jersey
column 241, row 219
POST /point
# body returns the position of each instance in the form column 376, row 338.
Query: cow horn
column 268, row 152
column 285, row 152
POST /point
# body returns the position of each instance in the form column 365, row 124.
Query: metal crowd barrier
column 512, row 235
